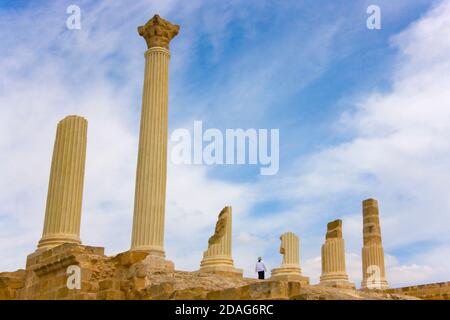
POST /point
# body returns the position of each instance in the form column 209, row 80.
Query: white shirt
column 260, row 267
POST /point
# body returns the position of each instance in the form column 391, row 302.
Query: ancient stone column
column 217, row 258
column 290, row 267
column 65, row 189
column 150, row 193
column 372, row 252
column 333, row 258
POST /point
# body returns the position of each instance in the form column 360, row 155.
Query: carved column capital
column 158, row 32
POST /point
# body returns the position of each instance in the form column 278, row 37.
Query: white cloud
column 400, row 152
column 246, row 237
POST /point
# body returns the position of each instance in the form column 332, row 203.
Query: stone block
column 190, row 294
column 124, row 285
column 129, row 258
column 111, row 295
column 109, row 284
column 138, row 283
column 62, row 293
column 161, row 291
column 86, row 286
column 256, row 291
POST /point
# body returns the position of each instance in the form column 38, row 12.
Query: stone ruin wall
column 130, row 276
column 431, row 291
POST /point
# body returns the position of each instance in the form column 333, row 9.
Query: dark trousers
column 261, row 275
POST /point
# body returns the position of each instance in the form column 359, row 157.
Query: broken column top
column 370, row 203
column 334, row 229
column 371, row 222
column 158, row 32
column 71, row 117
column 221, row 226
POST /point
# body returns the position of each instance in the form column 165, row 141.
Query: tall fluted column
column 290, row 267
column 150, row 193
column 217, row 258
column 374, row 276
column 65, row 190
column 333, row 257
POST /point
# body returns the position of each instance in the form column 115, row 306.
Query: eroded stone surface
column 117, row 277
column 217, row 258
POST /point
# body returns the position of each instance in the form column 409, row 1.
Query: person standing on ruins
column 260, row 268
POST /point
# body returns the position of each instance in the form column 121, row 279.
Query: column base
column 51, row 241
column 226, row 271
column 47, row 269
column 289, row 274
column 220, row 266
column 151, row 250
column 46, row 259
column 157, row 263
column 375, row 285
column 336, row 280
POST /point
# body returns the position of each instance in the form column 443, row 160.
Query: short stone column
column 290, row 267
column 217, row 258
column 151, row 175
column 373, row 270
column 333, row 258
column 65, row 190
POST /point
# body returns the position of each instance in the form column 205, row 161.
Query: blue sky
column 362, row 113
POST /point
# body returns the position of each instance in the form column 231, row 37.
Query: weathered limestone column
column 150, row 193
column 217, row 258
column 290, row 267
column 333, row 258
column 65, row 189
column 372, row 252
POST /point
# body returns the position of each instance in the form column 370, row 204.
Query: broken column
column 65, row 189
column 150, row 193
column 217, row 258
column 333, row 258
column 372, row 252
column 290, row 267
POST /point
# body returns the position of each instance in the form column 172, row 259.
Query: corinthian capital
column 158, row 32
